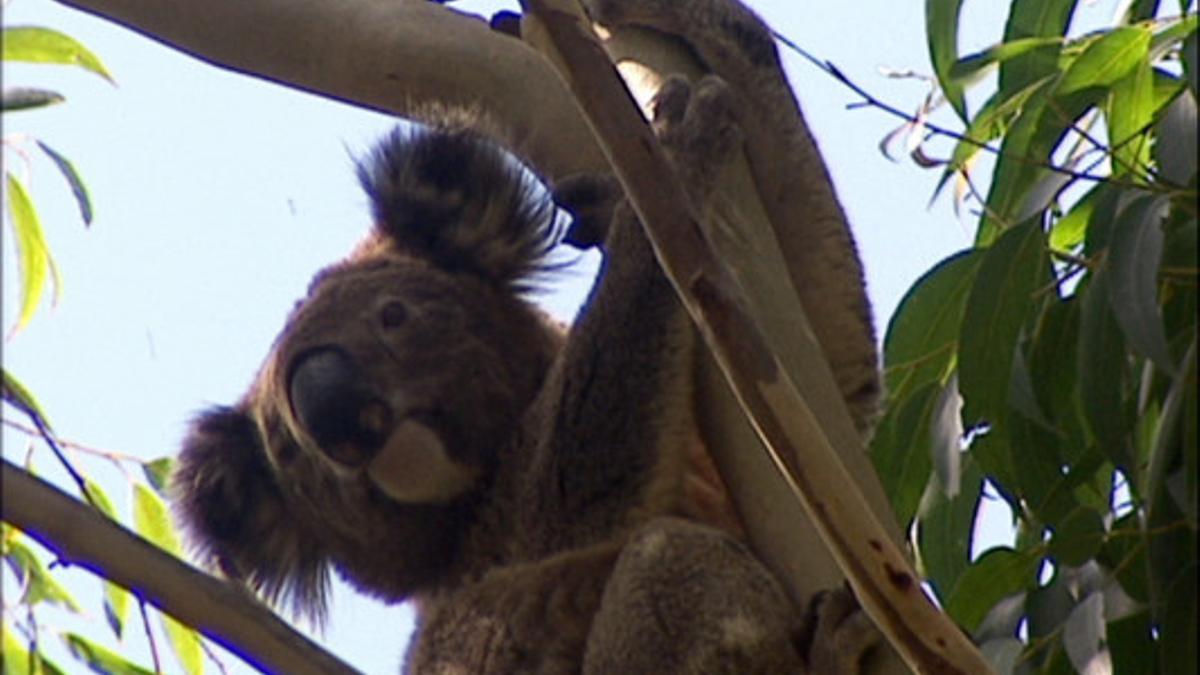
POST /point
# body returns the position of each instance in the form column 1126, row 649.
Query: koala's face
column 370, row 436
column 400, row 375
column 371, row 432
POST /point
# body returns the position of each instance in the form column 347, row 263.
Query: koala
column 539, row 493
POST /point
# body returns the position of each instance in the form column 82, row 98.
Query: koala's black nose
column 334, row 405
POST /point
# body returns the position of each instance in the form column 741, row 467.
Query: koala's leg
column 688, row 599
column 734, row 43
column 727, row 37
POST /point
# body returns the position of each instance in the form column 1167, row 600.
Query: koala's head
column 372, row 431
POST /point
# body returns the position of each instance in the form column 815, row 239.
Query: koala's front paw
column 838, row 633
column 590, row 199
column 697, row 126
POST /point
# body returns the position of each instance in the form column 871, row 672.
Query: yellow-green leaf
column 116, row 599
column 153, row 520
column 33, row 255
column 17, row 395
column 34, row 44
column 39, row 584
column 18, row 660
column 973, row 66
column 157, row 473
column 99, row 659
column 185, row 643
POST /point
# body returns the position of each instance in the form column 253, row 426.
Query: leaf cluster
column 24, row 561
column 1053, row 365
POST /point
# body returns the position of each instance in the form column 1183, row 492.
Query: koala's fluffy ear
column 453, row 197
column 231, row 506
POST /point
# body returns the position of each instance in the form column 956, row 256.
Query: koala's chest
column 530, row 618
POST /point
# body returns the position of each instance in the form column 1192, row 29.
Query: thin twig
column 74, row 445
column 872, row 101
column 48, row 437
column 149, row 635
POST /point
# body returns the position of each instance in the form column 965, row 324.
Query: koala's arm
column 617, row 405
column 614, row 418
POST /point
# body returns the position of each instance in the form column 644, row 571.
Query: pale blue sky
column 217, row 196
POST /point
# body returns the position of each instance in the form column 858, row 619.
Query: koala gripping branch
column 886, row 585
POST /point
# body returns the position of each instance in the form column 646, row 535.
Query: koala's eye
column 393, row 314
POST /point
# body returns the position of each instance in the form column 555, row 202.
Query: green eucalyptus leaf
column 1077, row 538
column 1124, row 552
column 19, row 396
column 1129, row 112
column 158, row 473
column 1107, row 61
column 117, row 602
column 74, row 181
column 18, row 661
column 1103, row 371
column 1069, row 232
column 1049, row 606
column 1000, row 303
column 941, row 27
column 39, row 585
column 1175, row 151
column 1032, row 139
column 1140, row 10
column 35, row 44
column 899, row 450
column 1172, row 32
column 1179, row 628
column 101, row 660
column 1052, row 360
column 944, row 531
column 972, row 66
column 989, row 123
column 922, row 336
column 1034, row 19
column 116, row 599
column 1131, row 642
column 1188, row 56
column 995, row 575
column 29, row 98
column 1133, row 259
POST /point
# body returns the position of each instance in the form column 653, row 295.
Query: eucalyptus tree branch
column 80, row 535
column 406, row 57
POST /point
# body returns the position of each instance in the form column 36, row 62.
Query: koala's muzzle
column 401, row 453
column 331, row 400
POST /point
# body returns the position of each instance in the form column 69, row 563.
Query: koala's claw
column 590, row 199
column 671, row 102
column 697, row 125
column 840, row 634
